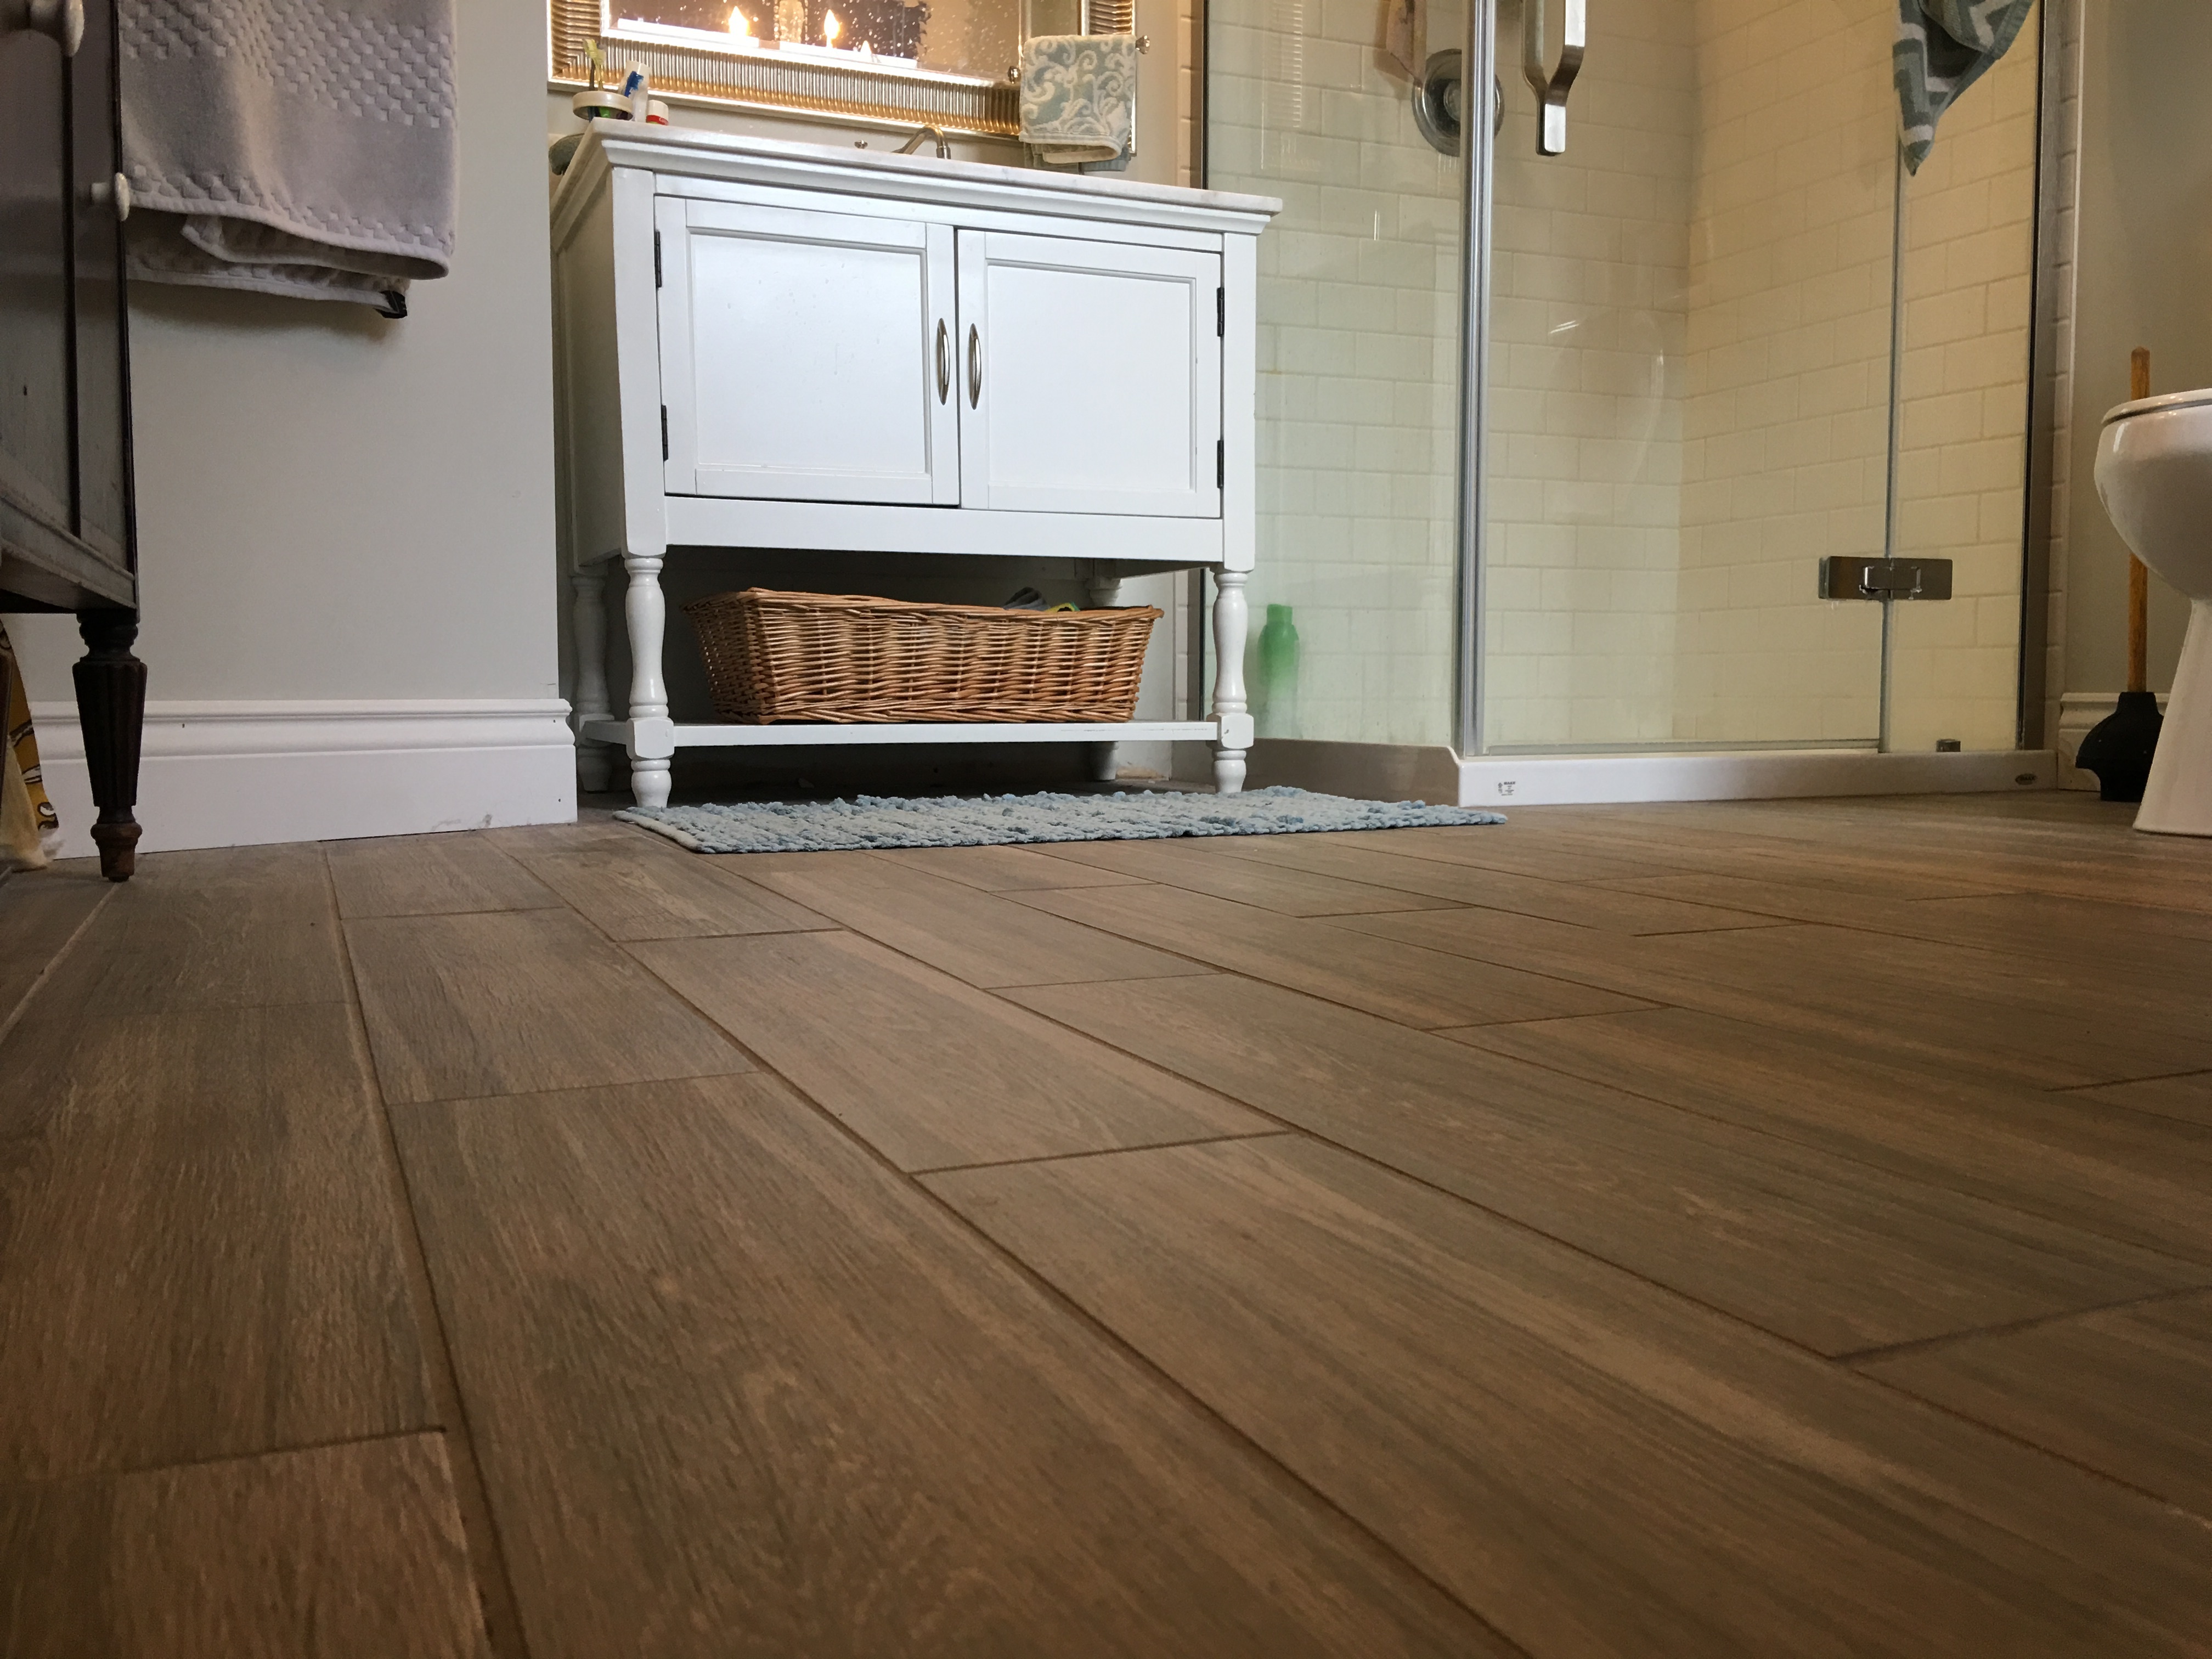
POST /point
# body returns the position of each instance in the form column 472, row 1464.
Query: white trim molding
column 1431, row 772
column 243, row 773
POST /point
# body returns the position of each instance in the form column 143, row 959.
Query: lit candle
column 738, row 27
column 830, row 29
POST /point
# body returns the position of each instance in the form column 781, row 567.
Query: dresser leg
column 1105, row 593
column 110, row 707
column 595, row 766
column 1228, row 708
column 652, row 733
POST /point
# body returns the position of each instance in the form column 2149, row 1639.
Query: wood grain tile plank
column 1585, row 905
column 1408, row 983
column 984, row 939
column 2114, row 1173
column 737, row 1389
column 2187, row 1099
column 200, row 1246
column 40, row 911
column 350, row 1552
column 430, row 876
column 1836, row 1254
column 1595, row 1466
column 2128, row 1391
column 1203, row 867
column 1002, row 869
column 229, row 927
column 501, row 1003
column 2038, row 1020
column 1517, row 846
column 631, row 888
column 925, row 1068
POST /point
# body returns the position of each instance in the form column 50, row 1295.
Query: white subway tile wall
column 1358, row 410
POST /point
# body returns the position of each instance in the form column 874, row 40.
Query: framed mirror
column 950, row 63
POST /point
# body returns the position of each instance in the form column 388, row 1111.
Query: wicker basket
column 847, row 659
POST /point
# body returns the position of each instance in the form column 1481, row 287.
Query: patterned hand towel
column 289, row 146
column 1078, row 96
column 29, row 831
column 1944, row 46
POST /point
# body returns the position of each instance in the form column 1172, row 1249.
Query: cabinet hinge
column 664, row 432
column 1220, row 463
column 656, row 258
column 1221, row 312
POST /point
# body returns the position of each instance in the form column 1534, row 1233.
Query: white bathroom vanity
column 784, row 346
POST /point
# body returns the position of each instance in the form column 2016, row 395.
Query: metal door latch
column 1885, row 579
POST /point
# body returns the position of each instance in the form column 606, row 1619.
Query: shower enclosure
column 1569, row 491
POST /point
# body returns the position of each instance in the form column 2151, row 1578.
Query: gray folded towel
column 1944, row 46
column 1078, row 96
column 290, row 146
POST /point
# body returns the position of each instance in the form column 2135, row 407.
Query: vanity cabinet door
column 807, row 357
column 1089, row 376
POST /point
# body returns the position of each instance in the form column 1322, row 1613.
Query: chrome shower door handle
column 1551, row 86
column 944, row 363
column 974, row 366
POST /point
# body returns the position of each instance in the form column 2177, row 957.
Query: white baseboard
column 2078, row 712
column 243, row 773
column 1746, row 774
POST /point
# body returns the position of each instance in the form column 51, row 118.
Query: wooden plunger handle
column 2138, row 578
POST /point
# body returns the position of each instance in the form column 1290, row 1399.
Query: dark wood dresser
column 68, row 538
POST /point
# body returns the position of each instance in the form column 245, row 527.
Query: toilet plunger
column 2119, row 748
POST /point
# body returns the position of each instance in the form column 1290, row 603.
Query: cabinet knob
column 115, row 192
column 944, row 363
column 974, row 366
column 62, row 20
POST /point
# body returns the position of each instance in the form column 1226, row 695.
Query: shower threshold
column 1435, row 773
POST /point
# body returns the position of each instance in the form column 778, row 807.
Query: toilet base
column 2177, row 800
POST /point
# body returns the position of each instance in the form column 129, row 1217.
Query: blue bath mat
column 1007, row 820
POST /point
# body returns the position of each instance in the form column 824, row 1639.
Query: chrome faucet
column 913, row 144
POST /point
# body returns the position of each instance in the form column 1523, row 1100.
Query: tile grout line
column 1919, row 1344
column 1096, row 1151
column 496, row 1605
column 215, row 1460
column 16, row 1014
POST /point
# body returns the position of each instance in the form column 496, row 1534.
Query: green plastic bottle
column 1278, row 675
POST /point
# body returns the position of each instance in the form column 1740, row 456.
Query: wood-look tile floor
column 1760, row 1228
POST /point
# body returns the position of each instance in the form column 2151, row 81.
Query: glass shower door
column 1689, row 382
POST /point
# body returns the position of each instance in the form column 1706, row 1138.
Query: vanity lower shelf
column 801, row 735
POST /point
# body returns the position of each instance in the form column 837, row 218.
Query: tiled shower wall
column 1969, row 297
column 1786, row 417
column 1358, row 359
column 1589, row 325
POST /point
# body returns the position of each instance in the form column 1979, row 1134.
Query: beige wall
column 335, row 507
column 2144, row 278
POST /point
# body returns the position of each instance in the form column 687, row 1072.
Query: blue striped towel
column 1944, row 46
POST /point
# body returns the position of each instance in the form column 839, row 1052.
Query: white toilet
column 2154, row 475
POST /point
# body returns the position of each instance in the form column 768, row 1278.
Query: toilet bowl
column 2155, row 477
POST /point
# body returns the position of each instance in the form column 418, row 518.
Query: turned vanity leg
column 595, row 766
column 111, row 708
column 652, row 733
column 1105, row 592
column 1229, row 621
